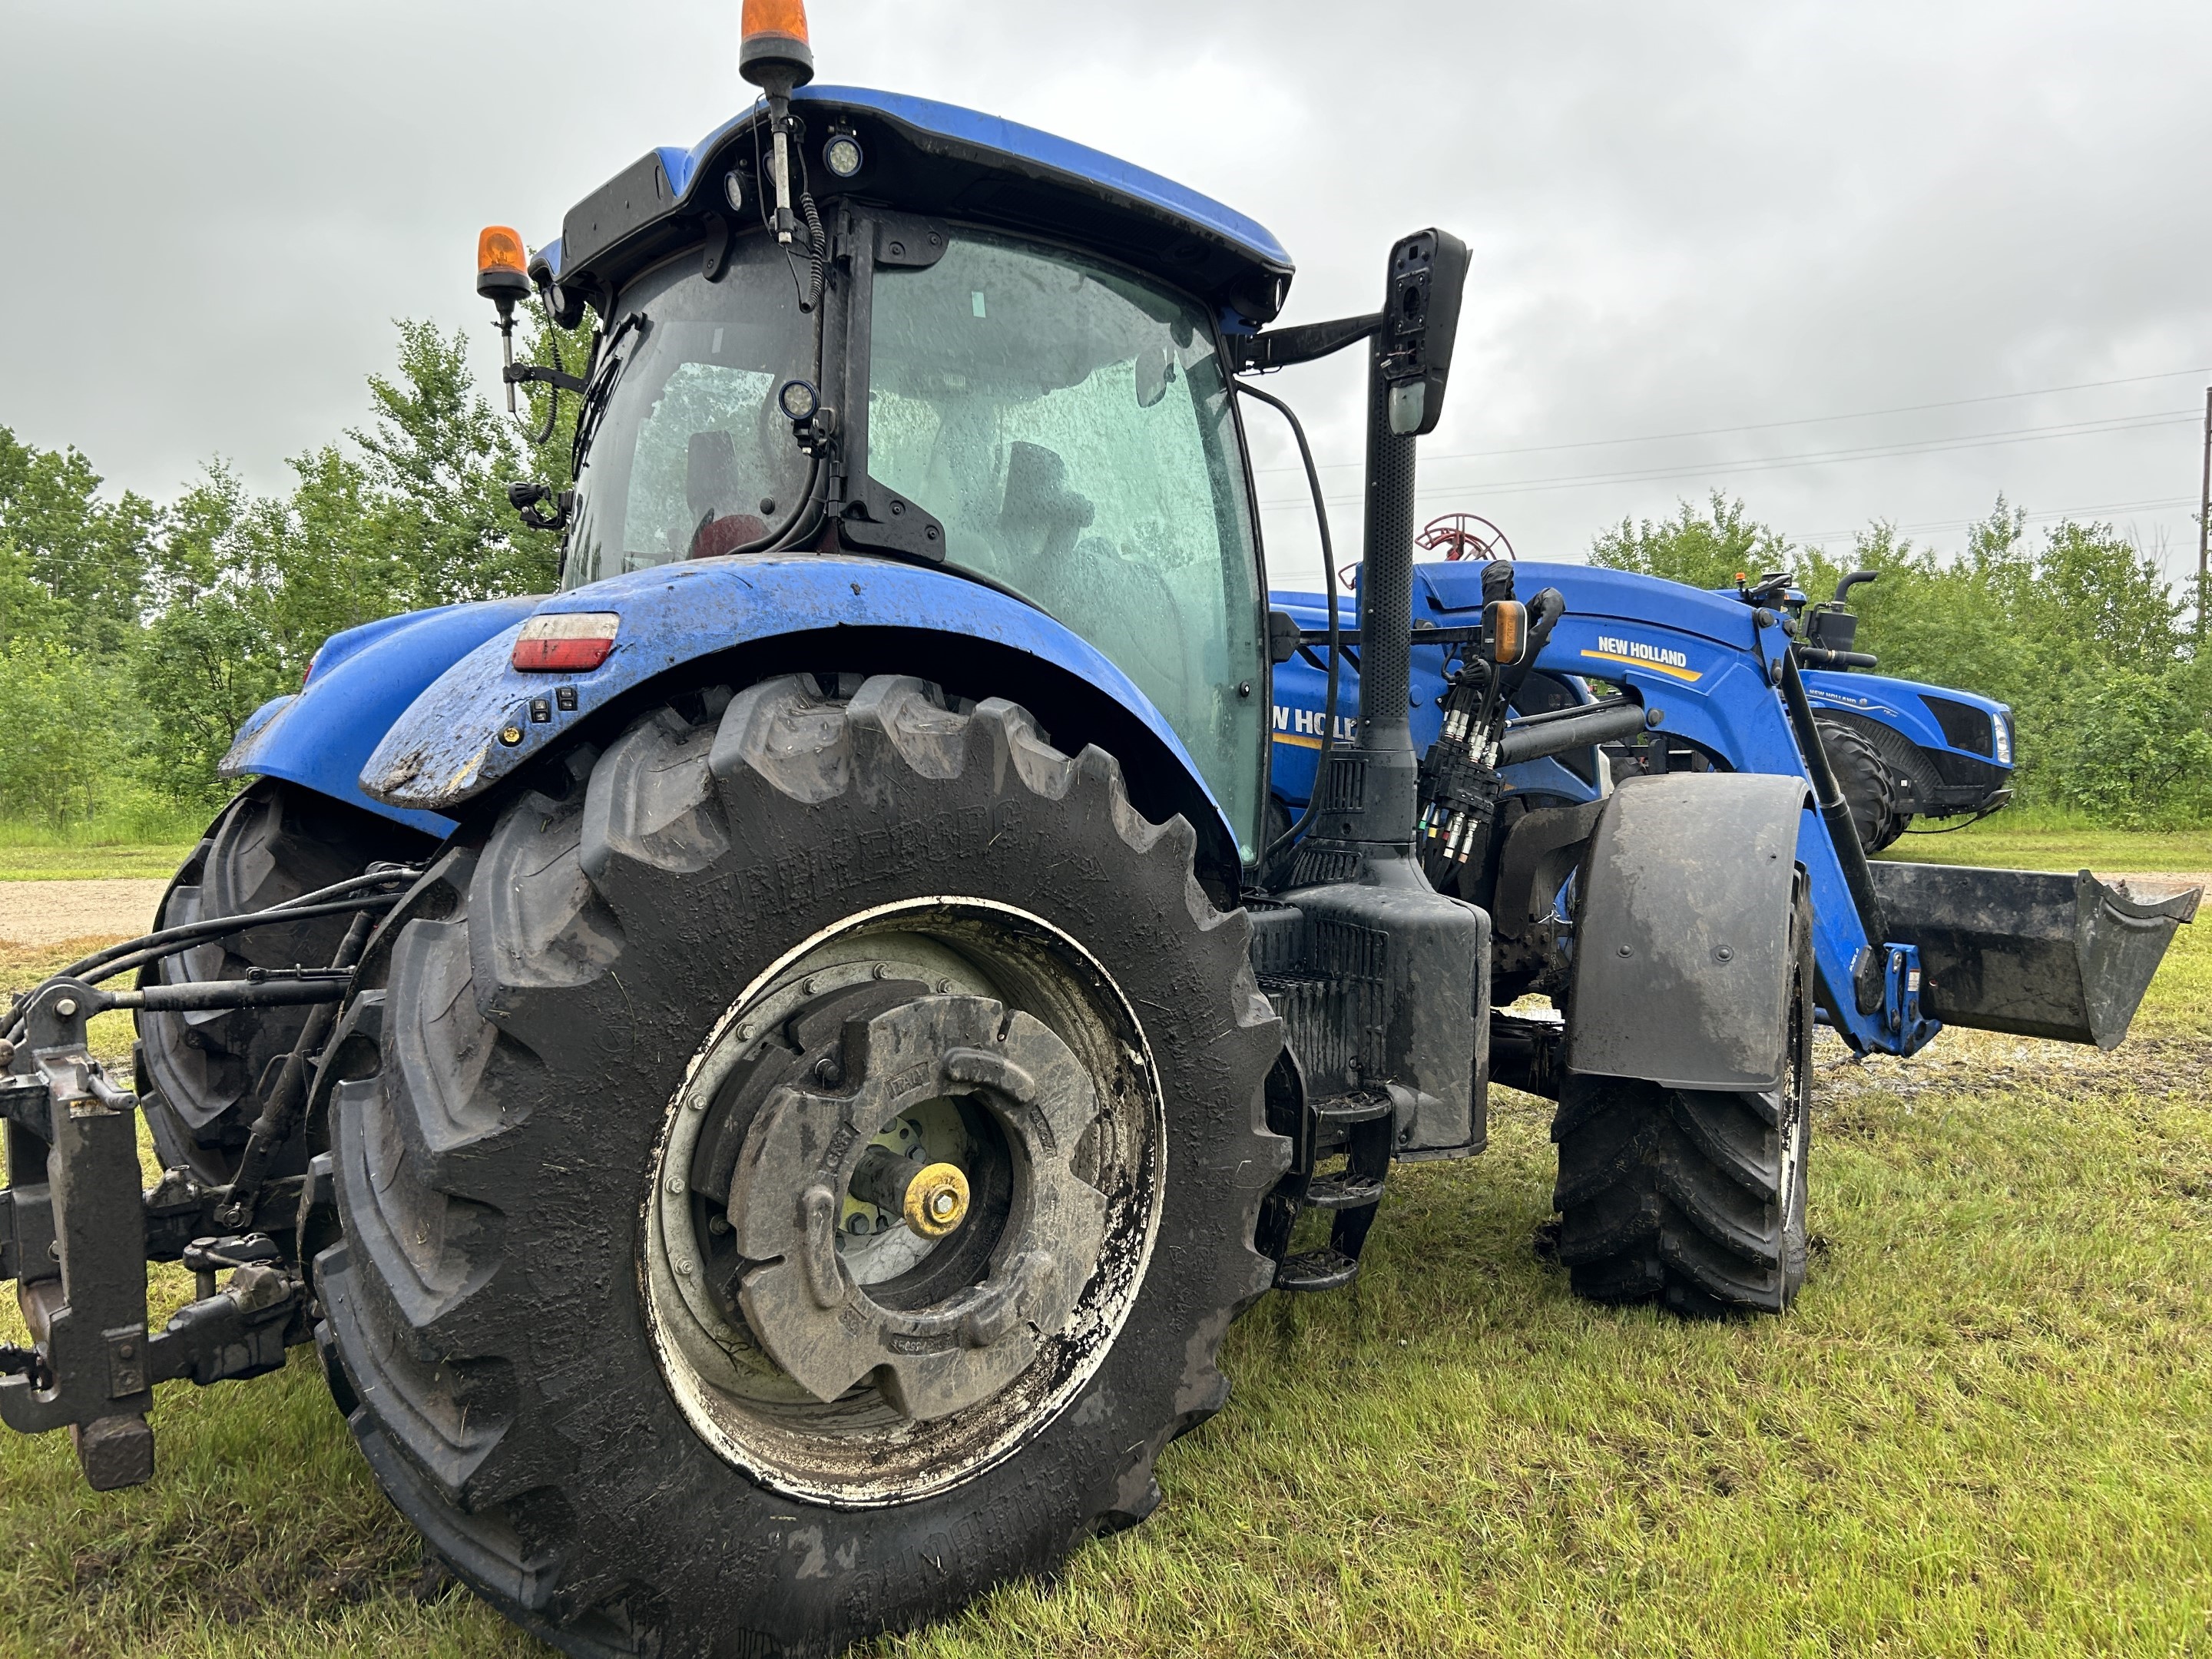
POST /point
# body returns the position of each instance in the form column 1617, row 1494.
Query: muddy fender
column 1681, row 970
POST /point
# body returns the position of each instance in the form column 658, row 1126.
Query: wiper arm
column 600, row 385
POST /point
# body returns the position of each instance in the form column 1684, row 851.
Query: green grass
column 91, row 863
column 151, row 841
column 1985, row 1430
column 2050, row 843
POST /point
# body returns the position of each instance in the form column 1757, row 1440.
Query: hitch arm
column 74, row 1234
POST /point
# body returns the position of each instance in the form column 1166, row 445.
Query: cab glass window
column 691, row 457
column 1071, row 426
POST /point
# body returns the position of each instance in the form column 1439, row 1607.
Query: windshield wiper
column 600, row 386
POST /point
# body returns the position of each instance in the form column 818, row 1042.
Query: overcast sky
column 1684, row 217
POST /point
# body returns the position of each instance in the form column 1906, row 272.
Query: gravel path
column 47, row 912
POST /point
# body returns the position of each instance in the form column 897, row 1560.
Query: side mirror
column 1420, row 322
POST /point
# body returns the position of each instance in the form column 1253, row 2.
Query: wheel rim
column 1795, row 1131
column 949, row 1052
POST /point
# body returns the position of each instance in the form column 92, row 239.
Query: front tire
column 628, row 1348
column 1692, row 1197
column 1863, row 776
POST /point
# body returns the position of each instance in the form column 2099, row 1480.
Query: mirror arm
column 1260, row 353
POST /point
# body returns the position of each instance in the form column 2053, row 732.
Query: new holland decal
column 1640, row 654
column 1301, row 727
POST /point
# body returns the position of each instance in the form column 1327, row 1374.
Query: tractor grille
column 1965, row 727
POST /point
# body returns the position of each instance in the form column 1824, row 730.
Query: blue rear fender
column 769, row 613
column 360, row 682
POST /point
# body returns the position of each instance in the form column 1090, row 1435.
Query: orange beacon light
column 503, row 277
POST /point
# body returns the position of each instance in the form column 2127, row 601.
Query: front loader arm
column 1898, row 949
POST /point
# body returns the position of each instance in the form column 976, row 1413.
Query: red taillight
column 575, row 643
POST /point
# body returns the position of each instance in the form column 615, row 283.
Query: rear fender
column 1681, row 951
column 362, row 681
column 776, row 613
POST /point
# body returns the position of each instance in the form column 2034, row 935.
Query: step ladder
column 1362, row 1125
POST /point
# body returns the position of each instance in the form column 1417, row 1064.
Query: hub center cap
column 801, row 1155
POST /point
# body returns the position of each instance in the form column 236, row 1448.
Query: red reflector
column 572, row 644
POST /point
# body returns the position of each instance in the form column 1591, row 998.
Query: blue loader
column 1900, row 749
column 766, row 1074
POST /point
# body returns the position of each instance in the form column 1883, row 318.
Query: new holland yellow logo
column 1637, row 653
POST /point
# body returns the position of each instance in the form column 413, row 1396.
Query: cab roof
column 921, row 156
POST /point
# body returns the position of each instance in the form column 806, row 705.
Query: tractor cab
column 936, row 361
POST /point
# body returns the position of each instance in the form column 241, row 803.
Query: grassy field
column 2026, row 842
column 1985, row 1430
column 147, row 842
column 91, row 863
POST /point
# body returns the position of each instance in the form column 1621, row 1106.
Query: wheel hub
column 803, row 1154
column 903, row 1201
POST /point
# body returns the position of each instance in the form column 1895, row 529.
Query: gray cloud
column 1683, row 216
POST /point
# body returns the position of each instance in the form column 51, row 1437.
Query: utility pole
column 2204, row 518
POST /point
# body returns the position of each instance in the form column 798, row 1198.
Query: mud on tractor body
column 767, row 1073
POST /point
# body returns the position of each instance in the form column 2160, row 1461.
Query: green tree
column 64, row 758
column 86, row 553
column 1704, row 550
column 411, row 513
column 437, row 461
column 211, row 655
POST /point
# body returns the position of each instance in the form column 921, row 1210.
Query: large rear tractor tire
column 795, row 1177
column 199, row 1074
column 1693, row 1198
column 1863, row 776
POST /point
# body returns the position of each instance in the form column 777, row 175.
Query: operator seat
column 712, row 487
column 1042, row 516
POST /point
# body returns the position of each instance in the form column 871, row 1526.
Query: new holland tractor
column 765, row 1074
column 1898, row 749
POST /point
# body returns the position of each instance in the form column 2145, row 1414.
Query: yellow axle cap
column 937, row 1200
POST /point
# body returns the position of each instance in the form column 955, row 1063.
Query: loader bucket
column 2041, row 955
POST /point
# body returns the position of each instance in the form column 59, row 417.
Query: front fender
column 1681, row 971
column 453, row 743
column 362, row 681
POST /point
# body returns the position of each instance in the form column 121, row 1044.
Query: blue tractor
column 1900, row 749
column 767, row 1073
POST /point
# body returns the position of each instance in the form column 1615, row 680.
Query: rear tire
column 1863, row 776
column 199, row 1074
column 1694, row 1198
column 568, row 1298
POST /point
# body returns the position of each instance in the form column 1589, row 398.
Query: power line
column 1933, row 524
column 1810, row 458
column 1768, row 426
